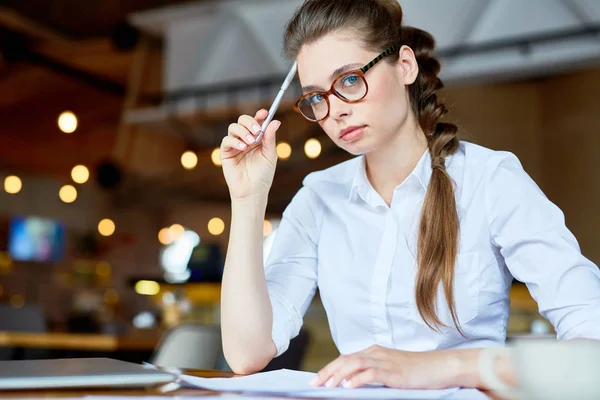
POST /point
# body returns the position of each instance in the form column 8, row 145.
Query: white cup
column 546, row 369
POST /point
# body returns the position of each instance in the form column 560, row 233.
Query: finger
column 365, row 377
column 269, row 140
column 332, row 374
column 242, row 133
column 249, row 123
column 231, row 147
column 373, row 349
column 261, row 115
column 350, row 368
column 325, row 373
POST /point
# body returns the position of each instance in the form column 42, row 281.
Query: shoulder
column 500, row 177
column 495, row 175
column 475, row 155
column 482, row 163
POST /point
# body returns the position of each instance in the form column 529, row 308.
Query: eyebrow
column 334, row 74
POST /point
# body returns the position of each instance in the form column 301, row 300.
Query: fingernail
column 256, row 128
column 347, row 384
column 242, row 146
column 314, row 381
column 250, row 139
column 329, row 383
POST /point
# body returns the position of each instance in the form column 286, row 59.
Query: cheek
column 386, row 94
column 329, row 126
column 387, row 98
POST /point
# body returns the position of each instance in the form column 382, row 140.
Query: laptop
column 78, row 372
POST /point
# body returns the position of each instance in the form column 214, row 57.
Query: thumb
column 269, row 139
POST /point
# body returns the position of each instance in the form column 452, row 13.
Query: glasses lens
column 314, row 107
column 351, row 87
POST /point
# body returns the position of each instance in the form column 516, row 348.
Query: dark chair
column 294, row 355
column 83, row 323
column 29, row 318
column 192, row 346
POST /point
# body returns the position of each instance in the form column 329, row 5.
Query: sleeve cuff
column 287, row 322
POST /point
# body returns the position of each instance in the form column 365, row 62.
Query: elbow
column 246, row 367
column 244, row 361
column 246, row 364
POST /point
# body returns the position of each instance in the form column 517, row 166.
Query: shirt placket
column 379, row 283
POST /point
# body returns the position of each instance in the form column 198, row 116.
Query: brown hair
column 378, row 24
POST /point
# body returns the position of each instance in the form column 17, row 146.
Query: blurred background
column 114, row 212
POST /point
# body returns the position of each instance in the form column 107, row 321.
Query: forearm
column 246, row 314
column 463, row 368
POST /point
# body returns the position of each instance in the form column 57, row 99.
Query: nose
column 339, row 109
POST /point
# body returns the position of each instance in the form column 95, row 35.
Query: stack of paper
column 296, row 383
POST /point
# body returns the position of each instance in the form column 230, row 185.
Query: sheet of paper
column 163, row 397
column 469, row 394
column 179, row 397
column 280, row 381
column 174, row 396
column 189, row 396
column 461, row 394
column 386, row 393
column 296, row 383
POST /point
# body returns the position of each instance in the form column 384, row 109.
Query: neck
column 390, row 165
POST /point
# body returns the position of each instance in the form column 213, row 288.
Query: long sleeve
column 540, row 251
column 291, row 268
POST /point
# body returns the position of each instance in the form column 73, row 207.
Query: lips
column 351, row 132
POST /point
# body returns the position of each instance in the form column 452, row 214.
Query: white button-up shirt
column 339, row 235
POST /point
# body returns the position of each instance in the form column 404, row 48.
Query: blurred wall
column 571, row 143
column 502, row 117
column 552, row 126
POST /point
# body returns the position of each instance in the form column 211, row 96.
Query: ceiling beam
column 82, row 76
column 577, row 11
column 523, row 42
column 14, row 21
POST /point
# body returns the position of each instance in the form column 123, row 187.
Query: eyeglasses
column 349, row 87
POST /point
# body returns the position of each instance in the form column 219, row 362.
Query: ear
column 408, row 66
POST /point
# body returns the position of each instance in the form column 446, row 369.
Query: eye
column 350, row 80
column 316, row 98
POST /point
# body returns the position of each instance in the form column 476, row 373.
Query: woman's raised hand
column 248, row 166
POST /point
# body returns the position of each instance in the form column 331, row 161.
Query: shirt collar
column 423, row 170
column 360, row 181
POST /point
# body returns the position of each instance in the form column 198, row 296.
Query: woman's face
column 374, row 121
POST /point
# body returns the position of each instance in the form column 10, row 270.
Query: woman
column 414, row 243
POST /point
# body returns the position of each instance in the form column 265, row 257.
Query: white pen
column 277, row 101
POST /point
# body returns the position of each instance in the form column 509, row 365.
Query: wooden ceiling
column 44, row 60
column 83, row 19
column 61, row 55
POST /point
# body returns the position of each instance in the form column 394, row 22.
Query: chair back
column 29, row 318
column 192, row 346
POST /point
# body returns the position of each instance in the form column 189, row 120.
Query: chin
column 356, row 148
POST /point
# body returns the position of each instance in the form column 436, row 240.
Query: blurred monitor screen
column 206, row 263
column 36, row 239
